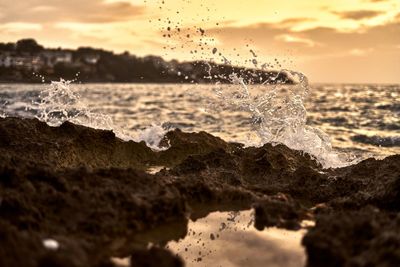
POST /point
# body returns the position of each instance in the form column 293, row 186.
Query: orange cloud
column 358, row 15
column 295, row 21
column 317, row 42
column 90, row 11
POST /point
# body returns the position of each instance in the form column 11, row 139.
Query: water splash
column 279, row 116
column 59, row 103
column 153, row 136
column 3, row 113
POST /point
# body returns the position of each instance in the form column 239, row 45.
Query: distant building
column 91, row 59
column 52, row 58
column 30, row 62
column 6, row 61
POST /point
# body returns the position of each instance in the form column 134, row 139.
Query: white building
column 51, row 58
column 6, row 61
column 91, row 59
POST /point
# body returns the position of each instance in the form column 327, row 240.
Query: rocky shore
column 76, row 196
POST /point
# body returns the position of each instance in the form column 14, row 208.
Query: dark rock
column 356, row 238
column 89, row 190
column 155, row 257
column 280, row 211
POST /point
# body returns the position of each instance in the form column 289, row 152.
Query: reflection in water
column 121, row 262
column 229, row 239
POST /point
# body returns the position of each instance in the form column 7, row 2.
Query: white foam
column 152, row 136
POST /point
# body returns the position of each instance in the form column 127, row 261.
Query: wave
column 59, row 103
column 277, row 115
column 388, row 141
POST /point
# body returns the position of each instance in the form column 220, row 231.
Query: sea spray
column 59, row 103
column 279, row 116
column 153, row 136
column 3, row 113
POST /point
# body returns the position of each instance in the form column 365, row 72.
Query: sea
column 339, row 124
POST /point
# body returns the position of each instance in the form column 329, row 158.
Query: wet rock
column 82, row 207
column 370, row 182
column 155, row 257
column 67, row 146
column 88, row 190
column 367, row 237
column 184, row 144
column 281, row 211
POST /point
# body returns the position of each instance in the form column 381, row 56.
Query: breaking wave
column 279, row 117
column 59, row 103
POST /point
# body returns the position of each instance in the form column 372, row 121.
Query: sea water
column 338, row 124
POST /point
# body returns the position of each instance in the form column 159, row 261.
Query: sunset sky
column 330, row 41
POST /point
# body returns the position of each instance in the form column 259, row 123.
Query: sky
column 341, row 41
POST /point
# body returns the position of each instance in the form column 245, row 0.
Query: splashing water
column 60, row 103
column 152, row 136
column 279, row 116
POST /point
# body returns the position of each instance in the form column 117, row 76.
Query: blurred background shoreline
column 26, row 61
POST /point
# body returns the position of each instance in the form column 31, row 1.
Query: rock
column 155, row 257
column 362, row 238
column 280, row 211
column 89, row 191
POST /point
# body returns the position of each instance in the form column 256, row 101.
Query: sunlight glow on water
column 347, row 113
column 229, row 239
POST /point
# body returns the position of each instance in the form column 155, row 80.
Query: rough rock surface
column 89, row 191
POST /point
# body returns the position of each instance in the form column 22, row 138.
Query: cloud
column 367, row 54
column 358, row 15
column 43, row 8
column 16, row 27
column 88, row 11
column 294, row 39
column 294, row 21
column 315, row 41
column 360, row 52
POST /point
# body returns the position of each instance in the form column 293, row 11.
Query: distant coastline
column 26, row 61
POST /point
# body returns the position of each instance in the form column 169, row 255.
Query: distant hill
column 18, row 62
